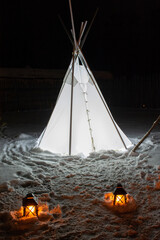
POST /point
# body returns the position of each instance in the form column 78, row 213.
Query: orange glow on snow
column 43, row 210
column 120, row 199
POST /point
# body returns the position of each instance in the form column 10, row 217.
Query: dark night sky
column 124, row 37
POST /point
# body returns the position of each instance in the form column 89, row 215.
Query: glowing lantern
column 30, row 206
column 119, row 195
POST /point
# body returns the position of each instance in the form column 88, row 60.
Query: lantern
column 119, row 195
column 30, row 206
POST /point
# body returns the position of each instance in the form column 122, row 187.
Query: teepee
column 81, row 121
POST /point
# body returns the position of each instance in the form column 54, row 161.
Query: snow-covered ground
column 77, row 185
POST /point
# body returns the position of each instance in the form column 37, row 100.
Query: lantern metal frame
column 30, row 200
column 120, row 191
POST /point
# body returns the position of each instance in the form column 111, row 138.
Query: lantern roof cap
column 30, row 199
column 119, row 190
column 30, row 195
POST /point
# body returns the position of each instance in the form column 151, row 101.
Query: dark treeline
column 124, row 40
column 35, row 89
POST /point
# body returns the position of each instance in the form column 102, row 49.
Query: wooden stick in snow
column 146, row 135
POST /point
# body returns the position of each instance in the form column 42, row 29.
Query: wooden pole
column 72, row 21
column 84, row 39
column 102, row 98
column 146, row 135
column 81, row 32
column 81, row 28
column 71, row 107
column 74, row 49
column 65, row 29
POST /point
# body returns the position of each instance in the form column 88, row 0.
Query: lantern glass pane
column 120, row 200
column 30, row 211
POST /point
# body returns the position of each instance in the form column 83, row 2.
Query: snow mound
column 72, row 188
column 129, row 206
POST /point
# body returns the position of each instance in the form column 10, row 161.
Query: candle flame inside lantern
column 30, row 210
column 120, row 200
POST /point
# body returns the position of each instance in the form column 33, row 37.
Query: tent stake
column 146, row 135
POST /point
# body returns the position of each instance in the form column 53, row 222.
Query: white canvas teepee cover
column 93, row 127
